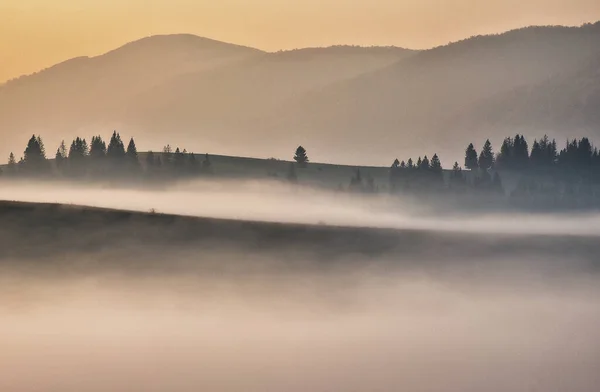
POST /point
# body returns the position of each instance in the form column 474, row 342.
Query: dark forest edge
column 542, row 177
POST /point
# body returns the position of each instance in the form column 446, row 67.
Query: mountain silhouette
column 340, row 101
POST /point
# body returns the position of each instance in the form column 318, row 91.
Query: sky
column 35, row 34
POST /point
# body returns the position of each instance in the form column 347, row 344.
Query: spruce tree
column 132, row 150
column 395, row 164
column 115, row 149
column 471, row 157
column 457, row 179
column 12, row 164
column 300, row 157
column 61, row 155
column 520, row 153
column 486, row 158
column 537, row 155
column 436, row 164
column 34, row 155
column 505, row 156
column 97, row 148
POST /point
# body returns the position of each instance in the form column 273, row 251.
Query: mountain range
column 363, row 105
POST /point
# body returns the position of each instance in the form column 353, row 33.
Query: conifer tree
column 520, row 153
column 471, row 158
column 34, row 155
column 410, row 164
column 41, row 146
column 300, row 157
column 486, row 158
column 537, row 155
column 179, row 159
column 456, row 178
column 132, row 150
column 115, row 149
column 505, row 156
column 61, row 155
column 395, row 164
column 436, row 164
column 97, row 148
column 12, row 164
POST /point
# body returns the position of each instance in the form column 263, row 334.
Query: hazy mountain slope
column 174, row 89
column 80, row 92
column 226, row 99
column 407, row 106
column 565, row 105
column 347, row 104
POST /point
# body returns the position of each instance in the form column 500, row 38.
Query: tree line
column 99, row 159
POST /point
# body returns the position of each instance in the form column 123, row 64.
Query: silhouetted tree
column 521, row 153
column 486, row 158
column 12, row 164
column 471, row 157
column 97, row 148
column 11, row 160
column 457, row 179
column 61, row 155
column 34, row 156
column 537, row 155
column 116, row 148
column 395, row 164
column 504, row 158
column 300, row 157
column 424, row 163
column 436, row 165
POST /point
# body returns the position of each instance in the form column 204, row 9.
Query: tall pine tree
column 471, row 158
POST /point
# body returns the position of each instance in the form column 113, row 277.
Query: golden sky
column 35, row 34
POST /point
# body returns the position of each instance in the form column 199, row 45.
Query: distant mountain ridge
column 204, row 95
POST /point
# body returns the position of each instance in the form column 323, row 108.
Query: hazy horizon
column 34, row 36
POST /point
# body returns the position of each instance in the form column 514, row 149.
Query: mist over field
column 275, row 201
column 338, row 292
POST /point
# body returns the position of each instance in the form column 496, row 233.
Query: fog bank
column 280, row 202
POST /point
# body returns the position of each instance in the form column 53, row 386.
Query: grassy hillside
column 33, row 231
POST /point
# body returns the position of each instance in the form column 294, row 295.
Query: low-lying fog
column 279, row 202
column 240, row 319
